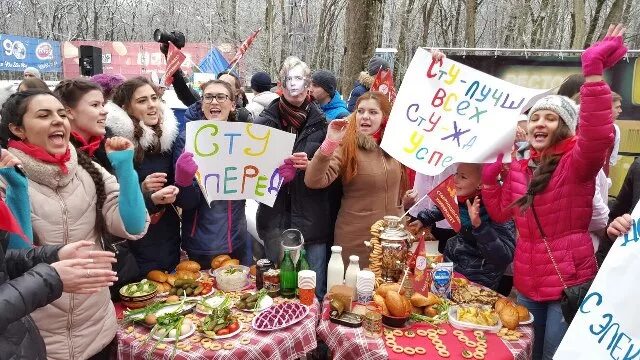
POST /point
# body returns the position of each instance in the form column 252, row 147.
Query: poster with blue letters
column 607, row 325
column 20, row 52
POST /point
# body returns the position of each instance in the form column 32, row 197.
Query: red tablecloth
column 351, row 343
column 289, row 343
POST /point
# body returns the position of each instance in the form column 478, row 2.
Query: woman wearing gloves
column 550, row 196
column 84, row 102
column 221, row 226
column 67, row 206
column 373, row 182
column 138, row 115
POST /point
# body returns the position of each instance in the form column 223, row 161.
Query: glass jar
column 271, row 280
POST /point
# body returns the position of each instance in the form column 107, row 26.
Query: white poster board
column 447, row 113
column 607, row 326
column 238, row 160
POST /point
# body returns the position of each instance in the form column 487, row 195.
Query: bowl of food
column 232, row 277
column 394, row 321
column 138, row 295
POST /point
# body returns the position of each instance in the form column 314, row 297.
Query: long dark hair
column 13, row 111
column 546, row 167
column 70, row 91
column 122, row 97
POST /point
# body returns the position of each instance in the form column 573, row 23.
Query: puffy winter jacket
column 74, row 326
column 210, row 229
column 564, row 207
column 336, row 108
column 260, row 101
column 296, row 205
column 362, row 86
column 481, row 254
column 27, row 283
column 160, row 248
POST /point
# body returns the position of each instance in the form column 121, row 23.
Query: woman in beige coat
column 373, row 182
column 71, row 199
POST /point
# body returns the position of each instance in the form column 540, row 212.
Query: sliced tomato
column 233, row 327
column 224, row 331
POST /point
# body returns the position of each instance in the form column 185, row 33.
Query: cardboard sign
column 447, row 113
column 444, row 196
column 607, row 325
column 238, row 160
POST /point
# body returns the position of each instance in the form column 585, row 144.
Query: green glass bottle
column 302, row 262
column 288, row 277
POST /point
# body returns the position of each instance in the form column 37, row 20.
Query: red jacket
column 564, row 207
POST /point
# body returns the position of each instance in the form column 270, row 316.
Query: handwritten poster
column 607, row 325
column 238, row 160
column 447, row 113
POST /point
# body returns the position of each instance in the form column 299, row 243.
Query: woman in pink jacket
column 557, row 185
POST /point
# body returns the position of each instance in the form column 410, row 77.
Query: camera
column 176, row 37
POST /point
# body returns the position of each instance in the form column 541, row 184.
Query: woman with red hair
column 373, row 182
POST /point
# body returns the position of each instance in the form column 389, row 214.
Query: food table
column 293, row 341
column 352, row 344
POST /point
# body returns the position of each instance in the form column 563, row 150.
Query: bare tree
column 470, row 25
column 359, row 45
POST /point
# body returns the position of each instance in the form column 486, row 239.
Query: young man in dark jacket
column 365, row 80
column 297, row 206
column 482, row 249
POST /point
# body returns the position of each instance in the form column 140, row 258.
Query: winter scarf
column 39, row 153
column 292, row 116
column 89, row 147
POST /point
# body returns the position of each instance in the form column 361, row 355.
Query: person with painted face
column 296, row 205
column 84, row 103
column 137, row 114
column 219, row 227
column 373, row 182
column 71, row 199
column 550, row 195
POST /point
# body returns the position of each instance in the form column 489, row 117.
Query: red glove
column 287, row 171
column 490, row 172
column 603, row 55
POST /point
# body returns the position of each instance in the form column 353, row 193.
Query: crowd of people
column 96, row 174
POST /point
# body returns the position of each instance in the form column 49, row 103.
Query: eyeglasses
column 208, row 98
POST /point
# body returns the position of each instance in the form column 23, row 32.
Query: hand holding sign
column 619, row 226
column 186, row 169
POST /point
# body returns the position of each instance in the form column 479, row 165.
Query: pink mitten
column 603, row 55
column 328, row 146
column 287, row 171
column 490, row 172
column 185, row 169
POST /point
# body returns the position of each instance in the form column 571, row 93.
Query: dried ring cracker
column 444, row 353
column 422, row 332
column 228, row 346
column 478, row 356
column 245, row 341
column 470, row 344
column 467, row 354
column 409, row 351
column 161, row 346
column 398, row 349
column 215, row 346
column 398, row 332
column 409, row 334
column 441, row 331
column 457, row 332
column 391, row 343
column 420, row 350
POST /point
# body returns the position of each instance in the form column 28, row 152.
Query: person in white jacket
column 262, row 96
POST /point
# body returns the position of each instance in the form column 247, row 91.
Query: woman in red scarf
column 373, row 182
column 550, row 196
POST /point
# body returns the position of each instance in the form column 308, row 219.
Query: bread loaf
column 188, row 265
column 157, row 276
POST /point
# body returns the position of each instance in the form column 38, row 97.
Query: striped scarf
column 293, row 117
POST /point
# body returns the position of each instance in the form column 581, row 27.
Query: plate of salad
column 220, row 324
column 254, row 302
